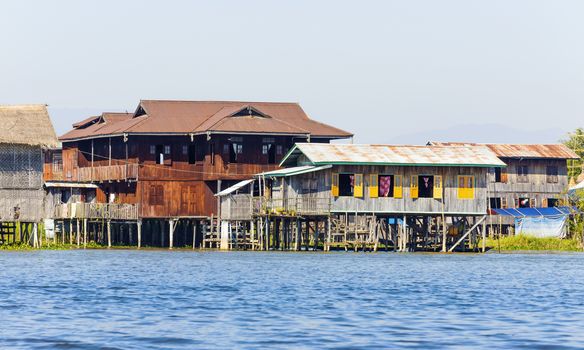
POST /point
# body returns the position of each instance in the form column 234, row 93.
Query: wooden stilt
column 84, row 233
column 171, row 227
column 194, row 233
column 139, row 229
column 109, row 234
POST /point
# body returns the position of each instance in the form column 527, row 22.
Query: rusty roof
column 532, row 151
column 199, row 117
column 403, row 155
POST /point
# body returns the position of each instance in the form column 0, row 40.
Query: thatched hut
column 25, row 133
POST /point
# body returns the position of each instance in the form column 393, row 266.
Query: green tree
column 575, row 142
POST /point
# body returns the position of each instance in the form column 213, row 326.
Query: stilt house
column 169, row 158
column 534, row 182
column 436, row 194
column 26, row 133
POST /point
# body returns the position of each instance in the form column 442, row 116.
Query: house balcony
column 96, row 211
column 300, row 205
column 123, row 172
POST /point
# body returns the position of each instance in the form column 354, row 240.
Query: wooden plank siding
column 452, row 204
column 537, row 186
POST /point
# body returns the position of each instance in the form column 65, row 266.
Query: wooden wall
column 537, row 186
column 406, row 204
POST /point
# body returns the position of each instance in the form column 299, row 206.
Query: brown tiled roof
column 553, row 151
column 185, row 117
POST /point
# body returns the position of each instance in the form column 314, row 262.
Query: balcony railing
column 301, row 205
column 108, row 173
column 107, row 211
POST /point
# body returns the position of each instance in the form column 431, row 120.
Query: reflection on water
column 186, row 300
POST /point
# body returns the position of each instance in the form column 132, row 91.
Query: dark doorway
column 425, row 186
column 553, row 202
column 159, row 154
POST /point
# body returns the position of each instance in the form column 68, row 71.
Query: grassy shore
column 525, row 243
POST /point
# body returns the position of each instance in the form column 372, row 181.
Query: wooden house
column 428, row 191
column 535, row 179
column 26, row 134
column 536, row 176
column 169, row 158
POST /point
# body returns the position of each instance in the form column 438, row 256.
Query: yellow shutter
column 414, row 186
column 466, row 187
column 358, row 190
column 335, row 185
column 437, row 187
column 373, row 186
column 532, row 203
column 397, row 186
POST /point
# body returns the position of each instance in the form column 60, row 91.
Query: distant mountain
column 481, row 133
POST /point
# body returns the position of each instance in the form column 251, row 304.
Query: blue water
column 186, row 300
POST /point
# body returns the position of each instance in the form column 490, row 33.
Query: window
column 279, row 150
column 495, row 203
column 57, row 163
column 524, row 203
column 552, row 174
column 386, row 185
column 466, row 187
column 167, row 150
column 156, row 195
column 152, row 149
column 553, row 202
column 346, row 185
column 65, row 195
column 185, row 150
column 425, row 186
column 498, row 174
column 159, row 154
column 234, row 151
column 522, row 172
column 192, row 154
column 269, row 150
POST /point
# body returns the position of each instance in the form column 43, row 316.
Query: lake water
column 185, row 300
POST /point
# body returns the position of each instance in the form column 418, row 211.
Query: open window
column 235, row 149
column 552, row 202
column 269, row 149
column 524, row 202
column 346, row 185
column 386, row 185
column 495, row 203
column 425, row 186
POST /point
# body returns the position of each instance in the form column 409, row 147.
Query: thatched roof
column 27, row 125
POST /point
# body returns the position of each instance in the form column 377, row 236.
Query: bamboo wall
column 21, row 181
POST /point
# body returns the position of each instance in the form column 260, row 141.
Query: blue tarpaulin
column 539, row 222
column 542, row 226
column 534, row 212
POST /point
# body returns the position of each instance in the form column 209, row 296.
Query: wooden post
column 78, row 234
column 35, row 235
column 484, row 236
column 315, row 235
column 171, row 227
column 194, row 233
column 109, row 234
column 84, row 233
column 139, row 229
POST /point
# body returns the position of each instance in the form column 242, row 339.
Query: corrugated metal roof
column 547, row 151
column 184, row 117
column 234, row 188
column 293, row 171
column 320, row 154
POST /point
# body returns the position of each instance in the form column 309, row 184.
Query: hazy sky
column 389, row 71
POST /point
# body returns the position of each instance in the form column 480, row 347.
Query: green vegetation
column 522, row 242
column 575, row 142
